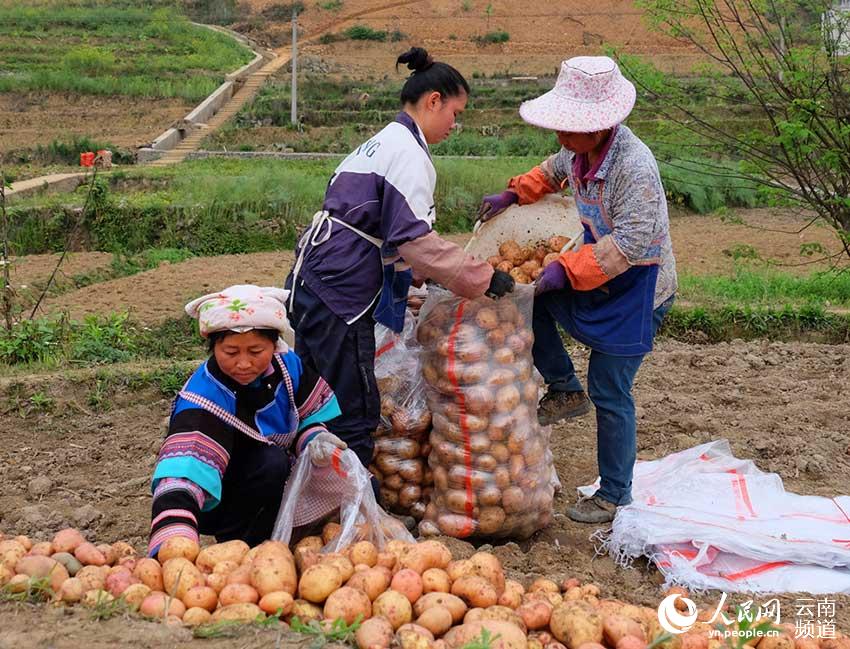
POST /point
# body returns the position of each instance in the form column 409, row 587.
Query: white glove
column 322, row 447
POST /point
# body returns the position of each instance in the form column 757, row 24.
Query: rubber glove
column 322, row 447
column 553, row 278
column 494, row 204
column 500, row 283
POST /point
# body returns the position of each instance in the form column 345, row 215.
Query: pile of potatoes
column 408, row 595
column 525, row 263
column 490, row 458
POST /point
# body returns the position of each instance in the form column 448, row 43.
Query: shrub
column 365, row 33
column 492, row 37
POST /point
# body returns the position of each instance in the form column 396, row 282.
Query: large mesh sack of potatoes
column 490, row 458
column 401, row 442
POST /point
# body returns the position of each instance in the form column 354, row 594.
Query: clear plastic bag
column 312, row 493
column 401, row 441
column 490, row 458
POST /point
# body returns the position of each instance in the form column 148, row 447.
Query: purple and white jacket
column 384, row 189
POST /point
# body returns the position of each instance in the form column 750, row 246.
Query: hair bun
column 416, row 58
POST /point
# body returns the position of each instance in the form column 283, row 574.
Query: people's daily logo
column 674, row 621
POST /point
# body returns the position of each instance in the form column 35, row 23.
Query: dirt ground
column 540, row 36
column 702, row 245
column 782, row 405
column 27, row 120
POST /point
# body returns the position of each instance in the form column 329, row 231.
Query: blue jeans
column 609, row 386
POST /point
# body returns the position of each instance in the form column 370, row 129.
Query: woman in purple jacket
column 372, row 238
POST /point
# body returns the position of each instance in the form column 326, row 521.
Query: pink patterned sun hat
column 241, row 308
column 590, row 95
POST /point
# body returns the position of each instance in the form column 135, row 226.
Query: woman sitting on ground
column 239, row 423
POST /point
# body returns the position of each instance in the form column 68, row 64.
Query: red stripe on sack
column 464, row 428
column 383, row 350
column 742, row 494
column 336, row 456
column 735, row 576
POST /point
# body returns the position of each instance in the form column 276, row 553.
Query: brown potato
column 244, row 612
column 505, row 266
column 374, row 633
column 210, row 556
column 178, row 546
column 453, row 603
column 437, row 619
column 574, row 624
column 318, row 582
column 475, row 591
column 520, row 276
column 346, row 604
column 179, row 575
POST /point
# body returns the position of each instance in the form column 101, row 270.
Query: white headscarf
column 242, row 308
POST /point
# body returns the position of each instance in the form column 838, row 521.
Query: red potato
column 374, row 633
column 87, row 554
column 615, row 627
column 150, row 573
column 38, row 566
column 178, row 547
column 238, row 594
column 346, row 604
column 394, row 606
column 512, row 597
column 409, row 583
column 201, row 597
column 631, row 642
column 278, row 603
column 196, row 617
column 119, row 581
column 693, row 640
column 160, row 605
column 536, row 615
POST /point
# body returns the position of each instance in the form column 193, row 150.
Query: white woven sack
column 551, row 216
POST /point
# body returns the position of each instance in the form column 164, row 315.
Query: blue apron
column 392, row 303
column 615, row 318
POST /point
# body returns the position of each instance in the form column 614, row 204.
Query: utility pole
column 293, row 118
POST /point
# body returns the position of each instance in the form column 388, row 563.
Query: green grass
column 219, row 206
column 765, row 287
column 96, row 48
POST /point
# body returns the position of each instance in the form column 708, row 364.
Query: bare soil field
column 782, row 405
column 540, row 36
column 27, row 120
column 703, row 246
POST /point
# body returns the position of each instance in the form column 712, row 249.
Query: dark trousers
column 609, row 386
column 345, row 357
column 251, row 492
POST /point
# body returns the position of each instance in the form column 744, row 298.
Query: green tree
column 781, row 62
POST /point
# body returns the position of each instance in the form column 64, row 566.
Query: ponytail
column 429, row 76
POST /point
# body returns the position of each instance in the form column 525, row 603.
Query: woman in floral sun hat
column 238, row 424
column 614, row 291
